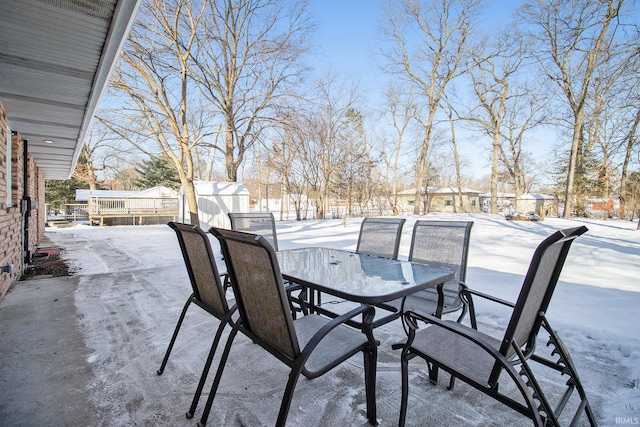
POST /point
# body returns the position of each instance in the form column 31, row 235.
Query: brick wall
column 11, row 216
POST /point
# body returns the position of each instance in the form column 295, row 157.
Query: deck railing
column 116, row 206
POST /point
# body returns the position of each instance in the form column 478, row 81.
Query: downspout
column 26, row 200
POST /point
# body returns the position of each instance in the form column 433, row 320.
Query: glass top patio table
column 359, row 278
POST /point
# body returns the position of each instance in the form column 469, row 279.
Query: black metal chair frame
column 293, row 356
column 208, row 294
column 515, row 349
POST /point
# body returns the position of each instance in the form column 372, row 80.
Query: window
column 473, row 203
column 448, row 202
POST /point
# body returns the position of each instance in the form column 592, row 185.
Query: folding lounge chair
column 481, row 360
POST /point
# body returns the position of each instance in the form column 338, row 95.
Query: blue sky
column 348, row 35
column 348, row 30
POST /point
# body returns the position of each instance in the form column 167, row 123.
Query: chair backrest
column 537, row 290
column 201, row 266
column 259, row 290
column 262, row 223
column 442, row 244
column 380, row 237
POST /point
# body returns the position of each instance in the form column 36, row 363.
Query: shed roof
column 537, row 196
column 441, row 190
column 218, row 188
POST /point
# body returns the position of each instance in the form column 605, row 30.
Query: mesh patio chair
column 311, row 345
column 380, row 237
column 262, row 223
column 208, row 293
column 442, row 244
column 480, row 360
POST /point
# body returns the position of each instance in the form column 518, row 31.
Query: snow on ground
column 595, row 311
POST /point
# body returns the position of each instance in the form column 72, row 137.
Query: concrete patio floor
column 83, row 350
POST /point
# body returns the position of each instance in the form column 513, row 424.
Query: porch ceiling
column 55, row 61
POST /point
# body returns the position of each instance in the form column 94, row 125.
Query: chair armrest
column 290, row 287
column 467, row 290
column 464, row 331
column 364, row 309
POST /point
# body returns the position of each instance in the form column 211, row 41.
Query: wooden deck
column 99, row 208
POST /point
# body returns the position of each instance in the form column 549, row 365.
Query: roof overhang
column 55, row 60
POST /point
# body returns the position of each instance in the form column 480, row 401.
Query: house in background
column 442, row 199
column 53, row 75
column 506, row 202
column 538, row 203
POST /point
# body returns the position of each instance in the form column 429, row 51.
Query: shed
column 215, row 201
column 442, row 199
column 538, row 203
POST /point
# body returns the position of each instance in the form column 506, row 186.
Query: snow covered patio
column 83, row 350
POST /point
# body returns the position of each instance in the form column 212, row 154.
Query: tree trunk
column 573, row 160
column 192, row 202
column 494, row 173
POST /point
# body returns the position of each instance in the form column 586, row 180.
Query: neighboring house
column 52, row 78
column 285, row 206
column 538, row 203
column 506, row 202
column 602, row 207
column 442, row 199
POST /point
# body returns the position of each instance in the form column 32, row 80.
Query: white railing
column 116, row 206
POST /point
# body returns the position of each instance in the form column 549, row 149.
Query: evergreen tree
column 59, row 192
column 156, row 172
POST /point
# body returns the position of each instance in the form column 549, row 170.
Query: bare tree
column 524, row 112
column 427, row 46
column 574, row 36
column 154, row 81
column 284, row 158
column 401, row 109
column 196, row 69
column 496, row 63
column 456, row 157
column 248, row 59
column 324, row 148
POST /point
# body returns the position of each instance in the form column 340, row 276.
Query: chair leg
column 404, row 367
column 288, row 395
column 216, row 381
column 370, row 366
column 433, row 374
column 173, row 337
column 205, row 370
